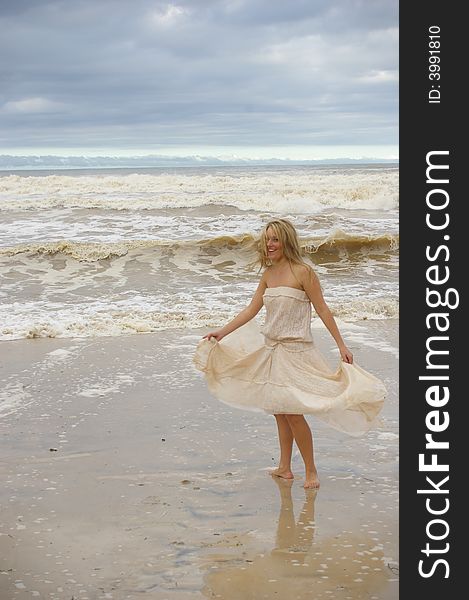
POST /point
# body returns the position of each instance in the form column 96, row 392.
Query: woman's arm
column 244, row 316
column 312, row 287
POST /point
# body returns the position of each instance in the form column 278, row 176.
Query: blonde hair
column 288, row 237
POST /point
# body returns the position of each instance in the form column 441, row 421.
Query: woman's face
column 274, row 245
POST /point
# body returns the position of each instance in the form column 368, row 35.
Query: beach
column 121, row 477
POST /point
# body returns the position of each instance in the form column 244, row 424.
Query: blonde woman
column 281, row 372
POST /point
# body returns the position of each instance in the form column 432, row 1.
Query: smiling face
column 279, row 242
column 274, row 245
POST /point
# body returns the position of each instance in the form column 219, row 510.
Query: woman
column 283, row 374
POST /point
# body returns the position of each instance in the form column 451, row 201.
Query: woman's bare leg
column 304, row 440
column 285, row 437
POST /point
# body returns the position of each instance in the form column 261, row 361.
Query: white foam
column 94, row 392
column 60, row 354
column 140, row 314
column 81, row 273
column 387, row 435
column 299, row 191
column 365, row 339
column 12, row 397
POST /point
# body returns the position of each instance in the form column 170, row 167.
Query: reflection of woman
column 283, row 374
column 294, row 537
column 302, row 565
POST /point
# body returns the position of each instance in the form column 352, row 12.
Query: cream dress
column 278, row 370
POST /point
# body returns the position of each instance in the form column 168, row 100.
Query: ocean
column 88, row 253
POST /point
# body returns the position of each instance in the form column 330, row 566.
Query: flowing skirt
column 252, row 372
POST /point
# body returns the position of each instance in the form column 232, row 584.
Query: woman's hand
column 218, row 335
column 346, row 355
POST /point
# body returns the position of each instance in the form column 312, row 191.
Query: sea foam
column 298, row 192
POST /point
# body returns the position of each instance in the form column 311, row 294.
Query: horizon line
column 11, row 162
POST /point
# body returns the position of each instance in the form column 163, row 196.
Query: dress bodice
column 288, row 314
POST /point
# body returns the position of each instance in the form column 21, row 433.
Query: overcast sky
column 224, row 76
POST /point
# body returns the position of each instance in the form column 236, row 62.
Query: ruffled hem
column 249, row 372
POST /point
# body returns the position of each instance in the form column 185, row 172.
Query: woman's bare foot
column 284, row 473
column 311, row 481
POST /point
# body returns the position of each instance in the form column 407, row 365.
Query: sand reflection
column 301, row 565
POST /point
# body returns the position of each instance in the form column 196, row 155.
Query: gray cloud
column 208, row 72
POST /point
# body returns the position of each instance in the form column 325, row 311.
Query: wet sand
column 122, row 478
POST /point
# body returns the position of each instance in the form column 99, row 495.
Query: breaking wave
column 337, row 241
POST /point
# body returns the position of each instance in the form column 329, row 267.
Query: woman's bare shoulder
column 302, row 270
column 265, row 274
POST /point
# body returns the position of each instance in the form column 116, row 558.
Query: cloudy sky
column 297, row 78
